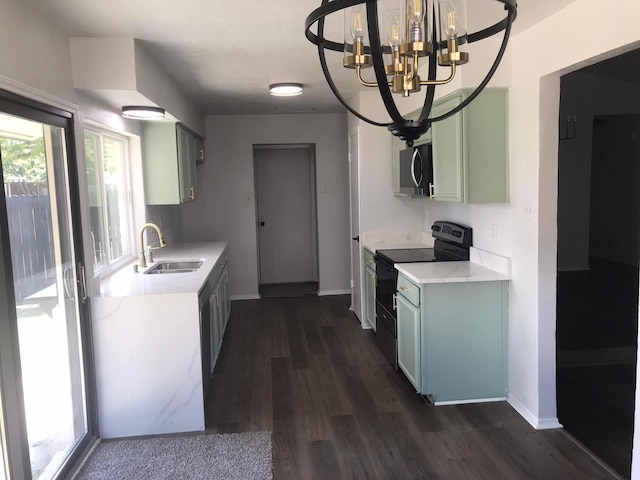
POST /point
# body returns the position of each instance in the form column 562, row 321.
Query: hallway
column 305, row 370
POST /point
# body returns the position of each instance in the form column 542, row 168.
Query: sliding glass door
column 47, row 309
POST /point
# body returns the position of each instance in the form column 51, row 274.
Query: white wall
column 36, row 57
column 225, row 208
column 533, row 72
column 34, row 51
column 155, row 84
column 534, row 161
column 380, row 210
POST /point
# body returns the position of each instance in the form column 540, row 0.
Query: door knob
column 357, row 239
column 262, row 224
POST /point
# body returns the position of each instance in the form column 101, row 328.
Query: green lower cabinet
column 220, row 308
column 409, row 340
column 459, row 335
column 369, row 287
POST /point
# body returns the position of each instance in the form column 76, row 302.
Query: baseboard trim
column 476, row 400
column 324, row 293
column 537, row 423
column 251, row 296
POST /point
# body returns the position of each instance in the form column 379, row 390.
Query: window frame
column 102, row 131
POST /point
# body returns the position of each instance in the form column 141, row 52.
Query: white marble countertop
column 125, row 282
column 449, row 272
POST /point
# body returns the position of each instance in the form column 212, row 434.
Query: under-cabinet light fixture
column 285, row 89
column 143, row 113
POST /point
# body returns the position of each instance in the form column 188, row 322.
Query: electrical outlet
column 528, row 211
column 494, row 231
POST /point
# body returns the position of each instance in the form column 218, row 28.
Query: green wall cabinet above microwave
column 470, row 149
column 170, row 153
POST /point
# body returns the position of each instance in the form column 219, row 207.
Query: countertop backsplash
column 380, row 240
column 490, row 260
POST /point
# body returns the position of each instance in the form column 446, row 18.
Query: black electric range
column 452, row 242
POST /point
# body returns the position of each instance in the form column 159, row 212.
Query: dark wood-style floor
column 305, row 370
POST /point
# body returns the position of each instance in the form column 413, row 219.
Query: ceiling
column 224, row 55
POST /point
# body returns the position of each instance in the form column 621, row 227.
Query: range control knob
column 457, row 233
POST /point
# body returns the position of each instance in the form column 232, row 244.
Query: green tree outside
column 23, row 160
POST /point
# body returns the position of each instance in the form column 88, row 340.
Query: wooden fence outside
column 31, row 243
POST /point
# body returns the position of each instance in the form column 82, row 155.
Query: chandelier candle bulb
column 357, row 25
column 415, row 13
column 452, row 31
column 394, row 39
column 355, row 34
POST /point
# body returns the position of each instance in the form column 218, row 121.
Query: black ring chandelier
column 421, row 28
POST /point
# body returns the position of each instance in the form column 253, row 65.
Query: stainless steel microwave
column 416, row 171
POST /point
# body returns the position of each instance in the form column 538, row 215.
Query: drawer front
column 368, row 259
column 408, row 289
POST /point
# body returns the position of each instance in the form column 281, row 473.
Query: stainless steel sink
column 177, row 266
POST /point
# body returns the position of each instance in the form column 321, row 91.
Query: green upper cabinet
column 170, row 152
column 470, row 149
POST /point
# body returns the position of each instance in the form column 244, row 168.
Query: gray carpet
column 193, row 457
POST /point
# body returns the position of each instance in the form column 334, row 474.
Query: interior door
column 46, row 418
column 356, row 293
column 285, row 189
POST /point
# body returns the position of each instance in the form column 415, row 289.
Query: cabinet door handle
column 374, row 284
column 395, row 301
column 404, row 289
column 217, row 299
column 430, row 190
column 202, row 154
column 192, row 193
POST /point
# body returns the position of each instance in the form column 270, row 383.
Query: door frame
column 47, row 109
column 311, row 150
column 357, row 298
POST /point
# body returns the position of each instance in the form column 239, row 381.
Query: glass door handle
column 82, row 282
column 67, row 281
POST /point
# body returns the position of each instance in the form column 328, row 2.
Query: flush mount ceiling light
column 435, row 29
column 285, row 89
column 143, row 113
